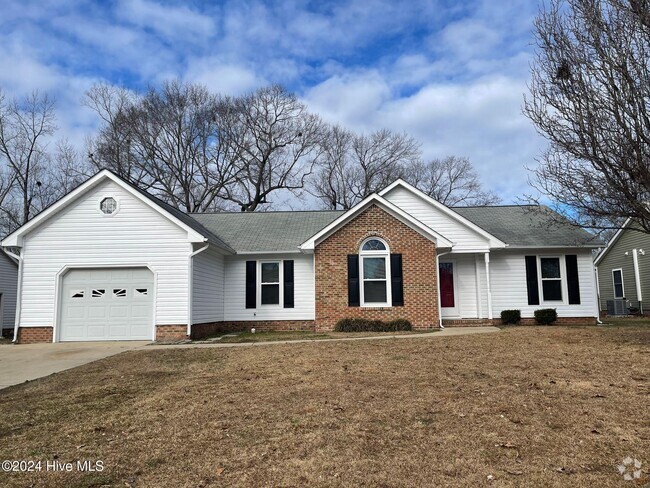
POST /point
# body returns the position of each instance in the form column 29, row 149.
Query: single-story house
column 623, row 269
column 8, row 283
column 111, row 262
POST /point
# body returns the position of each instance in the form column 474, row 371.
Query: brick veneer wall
column 167, row 333
column 418, row 269
column 265, row 325
column 33, row 335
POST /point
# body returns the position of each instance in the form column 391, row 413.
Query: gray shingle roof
column 527, row 225
column 266, row 231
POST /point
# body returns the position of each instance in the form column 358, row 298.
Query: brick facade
column 266, row 325
column 171, row 333
column 418, row 267
column 33, row 335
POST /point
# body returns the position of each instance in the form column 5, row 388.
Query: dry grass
column 312, row 336
column 530, row 406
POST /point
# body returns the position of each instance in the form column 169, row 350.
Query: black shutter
column 353, row 281
column 288, row 283
column 251, row 284
column 531, row 280
column 572, row 281
column 396, row 284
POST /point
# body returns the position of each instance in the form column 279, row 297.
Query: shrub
column 365, row 325
column 510, row 316
column 545, row 316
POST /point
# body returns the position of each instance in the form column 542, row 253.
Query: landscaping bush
column 510, row 316
column 366, row 325
column 545, row 316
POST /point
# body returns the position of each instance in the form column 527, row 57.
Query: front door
column 448, row 299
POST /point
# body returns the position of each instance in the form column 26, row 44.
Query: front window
column 375, row 264
column 619, row 291
column 551, row 279
column 270, row 283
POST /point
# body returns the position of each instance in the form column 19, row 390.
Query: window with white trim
column 108, row 206
column 617, row 278
column 551, row 276
column 375, row 273
column 269, row 282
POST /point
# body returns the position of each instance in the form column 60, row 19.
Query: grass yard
column 529, row 406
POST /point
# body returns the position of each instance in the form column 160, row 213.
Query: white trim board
column 440, row 240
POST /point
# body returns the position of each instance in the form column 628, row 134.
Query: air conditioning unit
column 618, row 307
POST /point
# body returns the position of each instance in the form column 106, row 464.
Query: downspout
column 597, row 283
column 438, row 283
column 190, row 286
column 19, row 287
column 637, row 278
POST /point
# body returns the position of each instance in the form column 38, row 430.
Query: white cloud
column 224, row 78
column 172, row 22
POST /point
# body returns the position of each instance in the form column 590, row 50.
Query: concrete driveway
column 20, row 363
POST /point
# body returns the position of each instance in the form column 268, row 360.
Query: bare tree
column 169, row 141
column 26, row 126
column 590, row 97
column 452, row 181
column 354, row 166
column 275, row 143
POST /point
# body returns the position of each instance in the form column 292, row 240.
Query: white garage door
column 107, row 304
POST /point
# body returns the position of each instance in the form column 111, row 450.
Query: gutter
column 190, row 283
column 19, row 294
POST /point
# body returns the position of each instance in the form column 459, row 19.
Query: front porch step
column 466, row 322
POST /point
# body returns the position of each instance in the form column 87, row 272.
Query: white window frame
column 622, row 284
column 562, row 279
column 375, row 254
column 99, row 205
column 280, row 264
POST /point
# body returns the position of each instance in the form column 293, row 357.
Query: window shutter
column 353, row 281
column 288, row 283
column 251, row 284
column 572, row 280
column 531, row 280
column 396, row 282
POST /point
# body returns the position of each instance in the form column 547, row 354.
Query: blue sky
column 451, row 74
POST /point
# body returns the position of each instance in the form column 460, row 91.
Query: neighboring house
column 623, row 269
column 8, row 283
column 111, row 262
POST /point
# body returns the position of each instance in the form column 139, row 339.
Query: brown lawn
column 529, row 406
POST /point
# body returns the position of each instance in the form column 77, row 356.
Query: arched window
column 374, row 262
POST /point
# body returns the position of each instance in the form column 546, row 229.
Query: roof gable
column 470, row 235
column 195, row 232
column 613, row 241
column 398, row 213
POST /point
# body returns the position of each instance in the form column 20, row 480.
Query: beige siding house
column 624, row 268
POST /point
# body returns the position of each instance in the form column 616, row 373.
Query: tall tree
column 169, row 141
column 354, row 166
column 451, row 181
column 590, row 97
column 26, row 126
column 275, row 143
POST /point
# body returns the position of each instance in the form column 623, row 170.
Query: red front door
column 447, row 285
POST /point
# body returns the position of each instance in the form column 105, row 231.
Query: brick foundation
column 33, row 335
column 524, row 321
column 418, row 267
column 265, row 326
column 171, row 333
column 467, row 322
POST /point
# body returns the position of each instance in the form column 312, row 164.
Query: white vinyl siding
column 8, row 284
column 81, row 236
column 235, row 290
column 463, row 237
column 508, row 279
column 207, row 287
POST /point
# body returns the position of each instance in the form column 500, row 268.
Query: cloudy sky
column 452, row 74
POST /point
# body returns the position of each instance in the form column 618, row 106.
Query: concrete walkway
column 455, row 331
column 26, row 362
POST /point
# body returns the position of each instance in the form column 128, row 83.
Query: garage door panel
column 107, row 304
